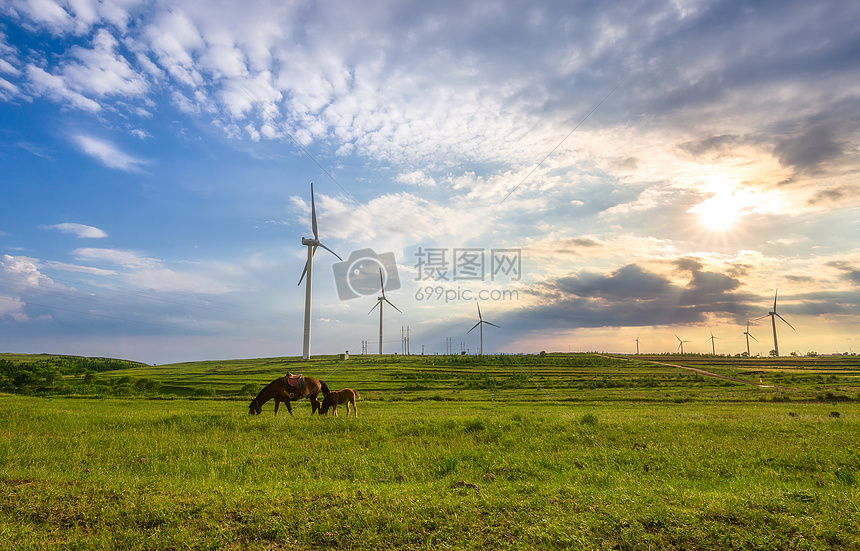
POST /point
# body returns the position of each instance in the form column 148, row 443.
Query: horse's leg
column 277, row 405
column 315, row 404
column 354, row 407
column 289, row 407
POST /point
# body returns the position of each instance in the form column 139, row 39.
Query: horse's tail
column 325, row 389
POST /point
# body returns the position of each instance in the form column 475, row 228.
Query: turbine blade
column 305, row 271
column 493, row 324
column 783, row 319
column 374, row 307
column 479, row 310
column 381, row 283
column 314, row 215
column 331, row 251
column 473, row 327
column 774, row 299
column 753, row 338
column 389, row 302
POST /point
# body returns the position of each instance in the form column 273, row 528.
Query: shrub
column 588, row 419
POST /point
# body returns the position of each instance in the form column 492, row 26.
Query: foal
column 334, row 398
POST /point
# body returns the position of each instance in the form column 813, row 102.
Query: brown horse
column 333, row 399
column 281, row 391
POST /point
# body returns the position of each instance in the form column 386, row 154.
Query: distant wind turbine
column 712, row 339
column 773, row 315
column 748, row 335
column 312, row 245
column 637, row 344
column 681, row 345
column 379, row 302
column 480, row 324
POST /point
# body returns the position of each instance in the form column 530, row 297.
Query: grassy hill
column 557, row 377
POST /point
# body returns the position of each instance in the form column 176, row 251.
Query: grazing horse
column 333, row 399
column 282, row 391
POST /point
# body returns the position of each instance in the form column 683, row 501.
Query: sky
column 592, row 175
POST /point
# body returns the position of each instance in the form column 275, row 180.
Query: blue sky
column 157, row 160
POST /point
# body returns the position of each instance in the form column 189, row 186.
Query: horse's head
column 254, row 408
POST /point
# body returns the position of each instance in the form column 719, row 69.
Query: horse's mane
column 265, row 388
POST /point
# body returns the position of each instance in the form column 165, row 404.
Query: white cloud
column 175, row 40
column 102, row 71
column 78, row 230
column 22, row 269
column 57, row 88
column 8, row 68
column 149, row 273
column 109, row 154
column 47, row 13
column 125, row 259
column 415, row 178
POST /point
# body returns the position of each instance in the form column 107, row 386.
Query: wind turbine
column 713, row 348
column 773, row 315
column 379, row 302
column 681, row 345
column 636, row 340
column 747, row 334
column 312, row 245
column 480, row 324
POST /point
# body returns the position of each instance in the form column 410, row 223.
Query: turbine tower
column 747, row 334
column 480, row 324
column 379, row 302
column 773, row 315
column 312, row 245
column 681, row 345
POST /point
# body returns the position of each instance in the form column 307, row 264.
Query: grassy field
column 555, row 452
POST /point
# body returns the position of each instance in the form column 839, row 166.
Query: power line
column 300, row 146
column 548, row 155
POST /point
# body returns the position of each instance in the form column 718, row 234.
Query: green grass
column 142, row 474
column 573, row 452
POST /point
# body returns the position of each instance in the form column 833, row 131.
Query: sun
column 719, row 213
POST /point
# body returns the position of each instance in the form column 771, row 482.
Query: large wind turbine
column 712, row 339
column 637, row 344
column 379, row 302
column 312, row 245
column 681, row 345
column 773, row 315
column 747, row 334
column 480, row 324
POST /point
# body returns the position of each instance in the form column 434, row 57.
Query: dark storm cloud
column 633, row 296
column 834, row 195
column 715, row 144
column 807, row 150
column 849, row 272
column 627, row 282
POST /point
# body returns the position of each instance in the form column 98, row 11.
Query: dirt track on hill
column 710, row 374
